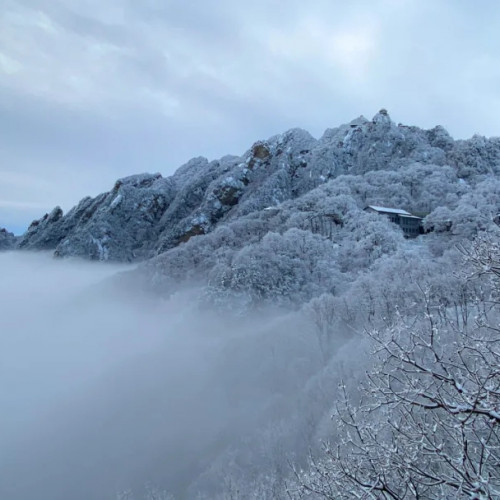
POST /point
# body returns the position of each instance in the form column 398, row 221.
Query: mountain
column 7, row 240
column 145, row 215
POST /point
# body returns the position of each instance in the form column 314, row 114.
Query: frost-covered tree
column 366, row 238
column 428, row 421
column 278, row 270
column 323, row 313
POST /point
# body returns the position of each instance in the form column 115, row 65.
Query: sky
column 92, row 91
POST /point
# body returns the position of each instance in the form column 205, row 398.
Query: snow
column 102, row 250
column 410, row 216
column 116, row 201
column 390, row 210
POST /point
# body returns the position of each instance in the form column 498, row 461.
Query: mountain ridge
column 145, row 215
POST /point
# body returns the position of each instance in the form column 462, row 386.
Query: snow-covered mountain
column 145, row 215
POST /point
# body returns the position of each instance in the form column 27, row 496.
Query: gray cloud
column 97, row 90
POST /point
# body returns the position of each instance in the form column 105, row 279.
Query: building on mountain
column 410, row 224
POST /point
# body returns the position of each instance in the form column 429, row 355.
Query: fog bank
column 103, row 392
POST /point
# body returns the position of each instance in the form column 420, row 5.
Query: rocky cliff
column 7, row 240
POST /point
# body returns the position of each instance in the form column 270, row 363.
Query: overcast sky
column 94, row 90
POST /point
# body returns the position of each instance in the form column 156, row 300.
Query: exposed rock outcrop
column 7, row 240
column 121, row 225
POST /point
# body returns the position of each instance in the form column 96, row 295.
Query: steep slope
column 146, row 215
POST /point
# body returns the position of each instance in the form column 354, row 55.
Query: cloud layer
column 102, row 391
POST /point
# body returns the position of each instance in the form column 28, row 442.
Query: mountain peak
column 382, row 117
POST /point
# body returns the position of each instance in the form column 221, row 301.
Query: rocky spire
column 382, row 118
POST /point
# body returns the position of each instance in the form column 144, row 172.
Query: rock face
column 121, row 225
column 145, row 215
column 44, row 233
column 7, row 240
